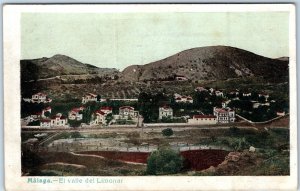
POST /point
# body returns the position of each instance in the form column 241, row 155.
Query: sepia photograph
column 191, row 92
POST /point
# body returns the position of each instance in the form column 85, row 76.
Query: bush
column 164, row 161
column 74, row 123
column 167, row 132
column 34, row 123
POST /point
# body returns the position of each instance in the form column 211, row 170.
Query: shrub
column 74, row 123
column 167, row 132
column 47, row 114
column 164, row 161
column 34, row 123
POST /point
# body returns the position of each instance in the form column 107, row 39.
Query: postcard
column 150, row 97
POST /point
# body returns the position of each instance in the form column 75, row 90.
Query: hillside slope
column 58, row 65
column 210, row 63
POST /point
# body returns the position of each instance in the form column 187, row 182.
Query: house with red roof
column 200, row 89
column 89, row 98
column 76, row 113
column 280, row 113
column 224, row 115
column 126, row 112
column 165, row 111
column 45, row 123
column 203, row 119
column 100, row 115
column 183, row 99
column 36, row 115
column 59, row 120
column 40, row 98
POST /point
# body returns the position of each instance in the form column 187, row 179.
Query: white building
column 256, row 104
column 89, row 98
column 126, row 112
column 45, row 123
column 224, row 115
column 75, row 113
column 280, row 113
column 200, row 89
column 247, row 94
column 59, row 120
column 266, row 96
column 219, row 93
column 101, row 115
column 40, row 98
column 165, row 111
column 180, row 78
column 183, row 99
column 203, row 119
column 36, row 116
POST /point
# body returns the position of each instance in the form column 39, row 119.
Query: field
column 205, row 151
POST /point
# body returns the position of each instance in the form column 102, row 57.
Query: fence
column 263, row 122
column 122, row 147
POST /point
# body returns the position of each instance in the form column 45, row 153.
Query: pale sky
column 123, row 39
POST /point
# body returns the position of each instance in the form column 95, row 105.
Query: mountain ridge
column 58, row 65
column 209, row 63
column 196, row 64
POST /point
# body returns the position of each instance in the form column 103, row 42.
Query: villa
column 165, row 111
column 101, row 115
column 59, row 120
column 89, row 98
column 224, row 115
column 76, row 113
column 126, row 112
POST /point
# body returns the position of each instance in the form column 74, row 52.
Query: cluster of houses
column 221, row 93
column 128, row 113
column 220, row 115
column 125, row 113
column 76, row 114
column 57, row 120
column 235, row 95
column 38, row 115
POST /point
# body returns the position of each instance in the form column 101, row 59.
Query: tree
column 167, row 132
column 47, row 114
column 98, row 98
column 164, row 161
column 108, row 118
column 238, row 143
column 34, row 123
column 75, row 135
column 74, row 123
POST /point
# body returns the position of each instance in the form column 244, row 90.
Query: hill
column 210, row 63
column 58, row 65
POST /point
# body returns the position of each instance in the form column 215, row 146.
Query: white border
column 11, row 41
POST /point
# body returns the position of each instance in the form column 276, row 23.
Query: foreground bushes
column 164, row 161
